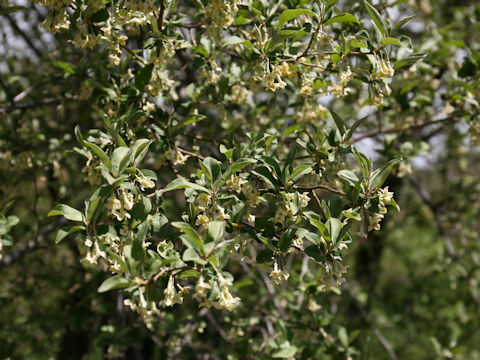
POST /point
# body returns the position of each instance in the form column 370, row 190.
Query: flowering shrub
column 224, row 157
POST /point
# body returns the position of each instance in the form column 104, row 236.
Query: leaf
column 314, row 252
column 410, row 60
column 11, row 9
column 236, row 166
column 349, row 176
column 338, row 122
column 100, row 16
column 100, row 153
column 67, row 211
column 212, row 168
column 264, row 173
column 235, row 40
column 139, row 150
column 402, row 22
column 286, row 239
column 291, row 14
column 182, row 183
column 334, row 226
column 379, row 176
column 138, row 251
column 215, row 231
column 120, row 158
column 65, row 66
column 287, row 351
column 290, row 157
column 192, row 236
column 65, row 231
column 189, row 274
column 346, row 17
column 376, row 17
column 143, row 76
column 299, row 172
column 114, row 282
column 265, row 255
column 391, row 41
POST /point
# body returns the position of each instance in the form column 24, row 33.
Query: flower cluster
column 278, row 276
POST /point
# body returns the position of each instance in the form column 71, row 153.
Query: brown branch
column 405, row 128
column 140, row 59
column 24, row 36
column 365, row 315
column 323, row 187
column 33, row 104
column 189, row 153
column 23, row 250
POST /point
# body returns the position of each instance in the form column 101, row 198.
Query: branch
column 23, row 250
column 323, row 187
column 29, row 105
column 25, row 37
column 405, row 128
column 365, row 315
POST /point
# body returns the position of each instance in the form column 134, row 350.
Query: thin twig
column 386, row 345
column 405, row 128
column 323, row 187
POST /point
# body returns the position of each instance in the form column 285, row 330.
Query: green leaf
column 192, row 236
column 402, row 22
column 114, row 282
column 65, row 66
column 290, row 157
column 235, row 40
column 139, row 150
column 299, row 172
column 120, row 159
column 100, row 153
column 287, row 351
column 410, row 60
column 67, row 211
column 349, row 176
column 236, row 166
column 376, row 17
column 346, row 17
column 380, row 175
column 391, row 41
column 100, row 16
column 215, row 231
column 291, row 14
column 182, row 183
column 334, row 226
column 65, row 231
column 314, row 252
column 286, row 240
column 189, row 274
column 338, row 122
column 143, row 76
column 265, row 255
column 138, row 251
column 11, row 9
column 264, row 173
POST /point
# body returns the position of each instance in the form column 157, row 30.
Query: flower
column 144, row 182
column 171, row 296
column 202, row 220
column 374, row 222
column 226, row 301
column 304, row 199
column 385, row 195
column 201, row 288
column 277, row 276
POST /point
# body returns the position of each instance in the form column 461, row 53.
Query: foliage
column 209, row 164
